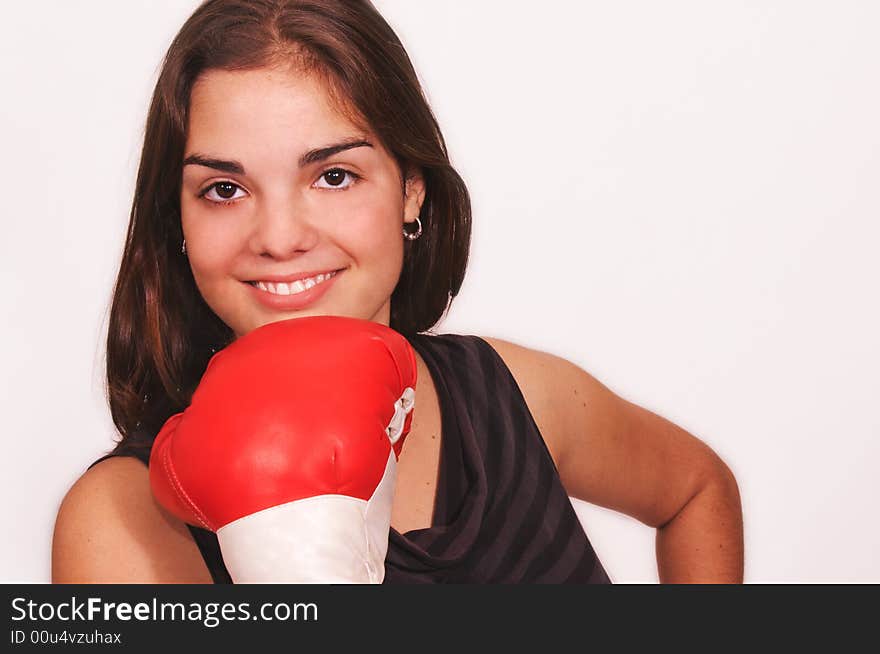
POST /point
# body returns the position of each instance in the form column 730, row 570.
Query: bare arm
column 110, row 530
column 703, row 543
column 616, row 454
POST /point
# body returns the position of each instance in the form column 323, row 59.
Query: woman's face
column 264, row 200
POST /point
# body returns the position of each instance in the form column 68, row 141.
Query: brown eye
column 335, row 177
column 221, row 193
column 226, row 190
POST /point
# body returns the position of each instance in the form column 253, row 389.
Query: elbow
column 720, row 475
column 713, row 478
column 719, row 479
column 721, row 486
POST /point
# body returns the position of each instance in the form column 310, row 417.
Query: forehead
column 268, row 100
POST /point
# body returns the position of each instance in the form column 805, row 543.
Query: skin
column 285, row 219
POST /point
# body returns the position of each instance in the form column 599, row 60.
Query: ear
column 413, row 194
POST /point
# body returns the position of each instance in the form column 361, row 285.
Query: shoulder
column 109, row 529
column 547, row 383
column 609, row 451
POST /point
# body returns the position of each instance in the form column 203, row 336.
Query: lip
column 288, row 279
column 292, row 302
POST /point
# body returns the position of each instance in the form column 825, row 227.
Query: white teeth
column 300, row 285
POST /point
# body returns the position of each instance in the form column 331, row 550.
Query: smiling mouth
column 293, row 288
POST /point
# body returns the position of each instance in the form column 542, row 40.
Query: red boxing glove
column 289, row 448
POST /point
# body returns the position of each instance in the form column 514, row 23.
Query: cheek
column 211, row 248
column 374, row 240
column 372, row 225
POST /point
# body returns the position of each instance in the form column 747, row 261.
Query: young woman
column 290, row 140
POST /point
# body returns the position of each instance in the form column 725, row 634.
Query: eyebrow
column 310, row 157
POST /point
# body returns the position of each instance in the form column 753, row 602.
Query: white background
column 680, row 197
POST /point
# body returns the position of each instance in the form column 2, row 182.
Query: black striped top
column 501, row 513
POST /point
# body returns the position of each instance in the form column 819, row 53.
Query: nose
column 282, row 228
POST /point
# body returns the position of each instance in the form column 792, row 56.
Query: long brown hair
column 161, row 332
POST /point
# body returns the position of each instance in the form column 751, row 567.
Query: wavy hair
column 161, row 332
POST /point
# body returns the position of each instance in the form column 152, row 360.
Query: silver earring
column 183, row 247
column 413, row 236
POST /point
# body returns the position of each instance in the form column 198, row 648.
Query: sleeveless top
column 501, row 514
